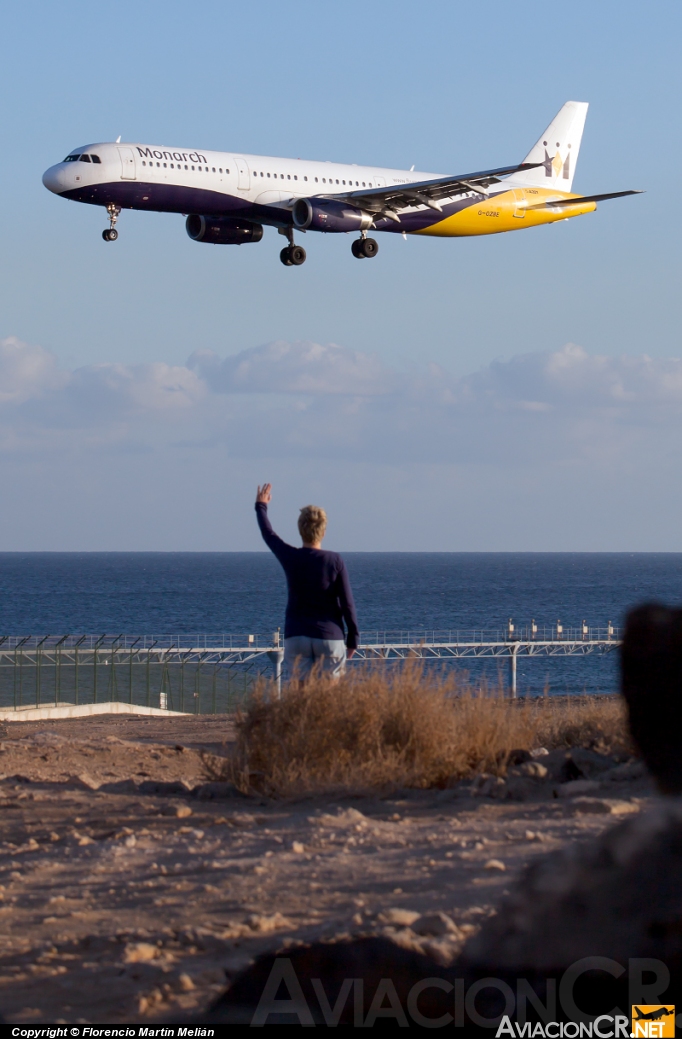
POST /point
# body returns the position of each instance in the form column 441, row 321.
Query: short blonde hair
column 312, row 523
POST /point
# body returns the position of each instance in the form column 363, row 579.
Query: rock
column 217, row 791
column 442, row 950
column 518, row 757
column 179, row 811
column 623, row 807
column 241, row 819
column 163, row 788
column 495, row 864
column 349, row 817
column 267, row 924
column 435, row 924
column 185, row 983
column 616, row 896
column 488, row 786
column 518, row 788
column 398, row 917
column 298, row 848
column 86, row 780
column 534, row 770
column 372, row 959
column 121, row 786
column 140, row 952
column 578, row 787
column 590, row 806
column 589, row 762
column 539, row 752
column 602, row 806
column 560, row 766
column 629, row 770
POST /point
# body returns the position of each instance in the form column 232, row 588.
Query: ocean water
column 241, row 592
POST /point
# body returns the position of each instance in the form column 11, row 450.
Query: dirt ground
column 124, row 900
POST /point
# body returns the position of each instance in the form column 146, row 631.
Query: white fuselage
column 262, row 180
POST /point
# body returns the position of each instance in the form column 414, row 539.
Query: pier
column 213, row 673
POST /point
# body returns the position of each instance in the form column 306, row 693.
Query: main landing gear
column 364, row 247
column 292, row 255
column 111, row 234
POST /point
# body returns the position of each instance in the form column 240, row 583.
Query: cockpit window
column 96, row 158
column 85, row 158
column 72, row 158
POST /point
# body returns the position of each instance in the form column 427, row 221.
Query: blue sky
column 450, row 88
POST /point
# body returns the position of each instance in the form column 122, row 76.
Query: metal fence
column 208, row 674
column 39, row 672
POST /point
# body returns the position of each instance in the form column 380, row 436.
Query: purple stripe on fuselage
column 422, row 218
column 177, row 198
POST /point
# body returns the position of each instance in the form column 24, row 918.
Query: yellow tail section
column 509, row 211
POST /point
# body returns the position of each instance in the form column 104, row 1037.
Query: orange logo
column 654, row 1021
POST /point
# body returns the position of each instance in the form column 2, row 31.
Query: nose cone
column 54, row 179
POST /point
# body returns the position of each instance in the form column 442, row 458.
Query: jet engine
column 319, row 214
column 222, row 230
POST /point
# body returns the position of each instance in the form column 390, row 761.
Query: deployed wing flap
column 560, row 203
column 425, row 192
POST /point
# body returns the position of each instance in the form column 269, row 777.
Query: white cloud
column 27, row 371
column 309, row 400
column 300, row 367
column 556, row 449
column 137, row 388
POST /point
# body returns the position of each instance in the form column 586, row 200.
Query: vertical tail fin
column 557, row 150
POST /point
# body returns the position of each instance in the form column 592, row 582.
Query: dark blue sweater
column 320, row 599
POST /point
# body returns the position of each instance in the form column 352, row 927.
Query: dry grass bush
column 379, row 728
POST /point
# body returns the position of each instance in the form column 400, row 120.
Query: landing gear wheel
column 293, row 256
column 111, row 234
column 368, row 247
column 356, row 249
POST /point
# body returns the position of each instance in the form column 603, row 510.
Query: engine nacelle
column 320, row 214
column 222, row 230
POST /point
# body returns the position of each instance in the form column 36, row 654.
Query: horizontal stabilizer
column 560, row 203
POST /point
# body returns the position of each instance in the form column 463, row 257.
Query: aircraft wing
column 562, row 202
column 386, row 201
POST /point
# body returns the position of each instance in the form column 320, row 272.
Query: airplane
column 226, row 197
column 653, row 1015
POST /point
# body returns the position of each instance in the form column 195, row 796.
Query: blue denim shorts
column 302, row 653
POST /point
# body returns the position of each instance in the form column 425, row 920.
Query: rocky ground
column 131, row 885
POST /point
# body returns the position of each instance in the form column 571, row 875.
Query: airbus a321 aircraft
column 228, row 198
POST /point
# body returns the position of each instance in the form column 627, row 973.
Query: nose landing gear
column 364, row 247
column 292, row 255
column 111, row 234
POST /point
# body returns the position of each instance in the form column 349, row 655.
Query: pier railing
column 210, row 673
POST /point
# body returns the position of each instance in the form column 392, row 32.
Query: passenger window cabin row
column 255, row 173
column 325, row 180
column 200, row 169
column 177, row 166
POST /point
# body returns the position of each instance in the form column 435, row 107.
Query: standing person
column 320, row 599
